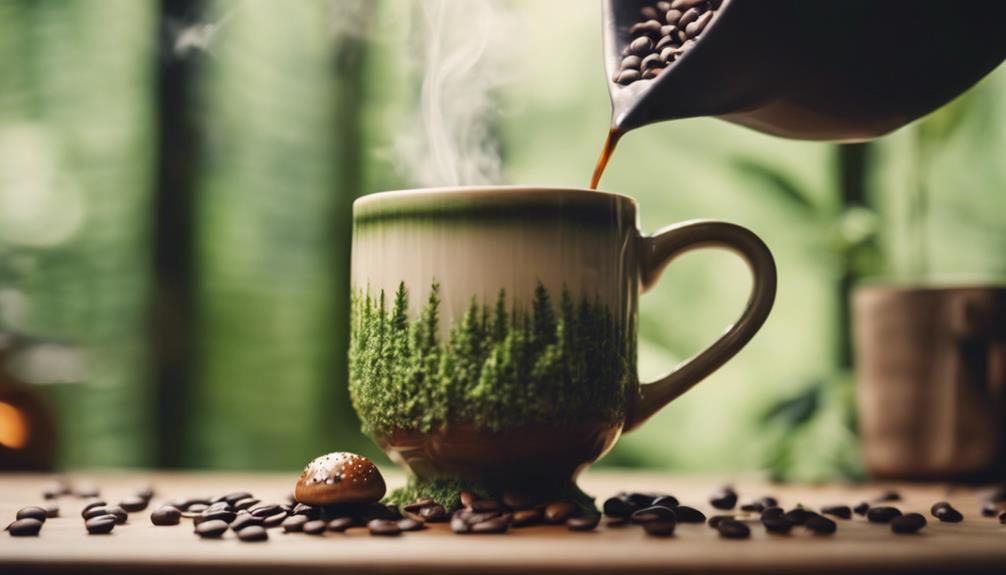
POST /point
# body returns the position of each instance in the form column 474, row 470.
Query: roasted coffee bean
column 295, row 523
column 714, row 521
column 654, row 513
column 618, row 507
column 769, row 501
column 95, row 512
column 483, row 505
column 842, row 511
column 265, row 510
column 1002, row 518
column 253, row 533
column 651, row 73
column 119, row 513
column 733, row 529
column 472, row 517
column 245, row 520
column 668, row 40
column 341, row 524
column 685, row 4
column 410, row 525
column 753, row 507
column 649, row 28
column 997, row 496
column 651, row 61
column 908, row 523
column 628, row 76
column 56, row 489
column 889, row 496
column 166, row 516
column 821, row 525
column 617, row 522
column 639, row 499
column 648, row 12
column 777, row 524
column 526, row 517
column 91, row 505
column 559, row 511
column 583, row 522
column 882, row 514
column 133, row 504
column 467, row 498
column 315, row 527
column 690, row 15
column 861, row 509
column 641, row 46
column 274, row 520
column 946, row 513
column 695, row 28
column 660, row 528
column 218, row 506
column 25, row 527
column 416, row 505
column 32, row 513
column 797, row 516
column 662, row 6
column 225, row 516
column 686, row 514
column 496, row 525
column 990, row 509
column 211, row 529
column 51, row 510
column 100, row 525
column 673, row 16
column 433, row 513
column 383, row 527
column 196, row 507
column 248, row 503
column 87, row 491
column 459, row 525
column 306, row 510
column 725, row 498
column 236, row 496
column 665, row 500
column 517, row 500
column 772, row 512
column 631, row 63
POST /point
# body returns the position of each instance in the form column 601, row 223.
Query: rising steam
column 460, row 49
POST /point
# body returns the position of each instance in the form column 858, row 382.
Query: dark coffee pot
column 843, row 70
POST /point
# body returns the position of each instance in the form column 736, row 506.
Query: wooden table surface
column 976, row 545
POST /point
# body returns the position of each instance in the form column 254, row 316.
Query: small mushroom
column 340, row 477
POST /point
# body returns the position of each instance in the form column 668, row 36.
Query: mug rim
column 482, row 193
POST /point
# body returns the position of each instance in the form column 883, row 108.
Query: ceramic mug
column 494, row 328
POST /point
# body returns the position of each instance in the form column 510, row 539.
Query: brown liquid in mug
column 609, row 148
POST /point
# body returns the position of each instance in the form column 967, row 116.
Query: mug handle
column 659, row 250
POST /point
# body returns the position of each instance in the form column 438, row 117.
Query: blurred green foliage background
column 176, row 180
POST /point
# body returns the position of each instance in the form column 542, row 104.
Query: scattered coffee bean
column 777, row 524
column 517, row 500
column 87, row 491
column 25, row 527
column 265, row 510
column 526, row 517
column 144, row 492
column 51, row 510
column 654, row 513
column 56, row 489
column 295, row 523
column 194, row 508
column 415, row 506
column 316, row 527
column 225, row 516
column 559, row 511
column 459, row 525
column 482, row 505
column 946, row 513
column 433, row 513
column 889, row 496
column 617, row 522
column 100, row 525
column 95, row 512
column 583, row 522
column 119, row 513
column 660, row 527
column 725, row 498
column 275, row 520
column 383, row 527
column 618, row 507
column 166, row 516
column 843, row 511
column 133, row 504
column 246, row 503
column 32, row 513
column 989, row 509
column 236, row 496
column 861, row 509
column 714, row 521
column 882, row 514
column 821, row 525
column 773, row 512
column 665, row 500
column 1002, row 518
column 797, row 516
column 253, row 533
column 908, row 523
column 245, row 520
column 211, row 529
column 753, row 507
column 340, row 524
column 467, row 498
column 91, row 505
column 640, row 500
column 495, row 525
column 769, row 501
column 340, row 477
column 686, row 514
column 733, row 529
column 218, row 506
column 410, row 525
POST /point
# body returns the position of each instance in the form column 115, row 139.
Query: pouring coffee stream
column 827, row 70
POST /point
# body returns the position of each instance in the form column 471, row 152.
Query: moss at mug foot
column 447, row 492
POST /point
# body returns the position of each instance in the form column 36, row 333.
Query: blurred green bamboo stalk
column 272, row 213
column 76, row 140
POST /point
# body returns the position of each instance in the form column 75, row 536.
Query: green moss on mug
column 447, row 492
column 500, row 366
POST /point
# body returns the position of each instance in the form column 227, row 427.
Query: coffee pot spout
column 837, row 70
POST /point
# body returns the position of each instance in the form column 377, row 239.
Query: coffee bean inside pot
column 660, row 37
column 946, row 513
column 25, row 527
column 908, row 523
column 882, row 514
column 725, row 498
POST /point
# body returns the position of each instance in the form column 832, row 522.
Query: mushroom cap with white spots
column 340, row 477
